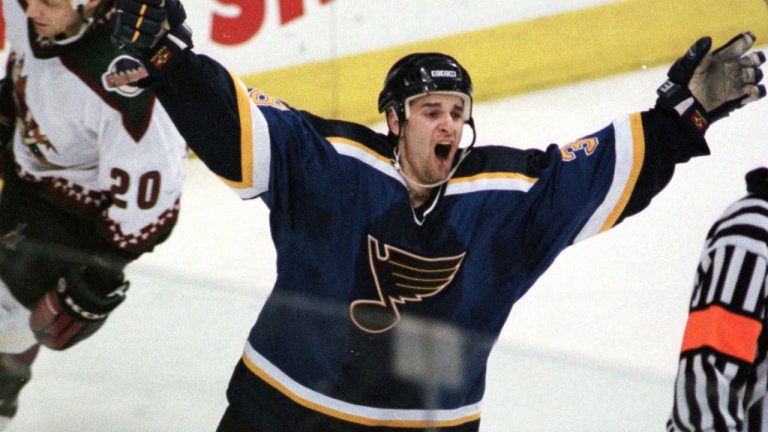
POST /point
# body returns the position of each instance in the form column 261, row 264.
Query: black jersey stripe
column 737, row 212
column 756, row 233
column 703, row 278
column 755, row 417
column 740, row 268
column 754, row 209
column 713, row 392
column 750, row 279
column 708, row 282
column 722, row 273
column 694, row 412
column 680, row 411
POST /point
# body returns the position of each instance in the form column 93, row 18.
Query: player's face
column 53, row 17
column 431, row 137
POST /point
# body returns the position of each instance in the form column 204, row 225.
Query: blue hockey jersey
column 355, row 262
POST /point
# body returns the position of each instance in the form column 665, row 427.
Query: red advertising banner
column 227, row 30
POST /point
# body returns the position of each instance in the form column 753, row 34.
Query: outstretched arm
column 209, row 107
column 614, row 173
column 702, row 88
column 206, row 103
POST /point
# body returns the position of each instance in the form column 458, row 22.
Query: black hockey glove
column 704, row 87
column 154, row 31
column 77, row 307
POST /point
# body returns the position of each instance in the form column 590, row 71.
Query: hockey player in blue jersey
column 377, row 233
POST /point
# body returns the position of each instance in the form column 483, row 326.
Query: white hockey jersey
column 92, row 143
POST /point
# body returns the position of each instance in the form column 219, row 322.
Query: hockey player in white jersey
column 93, row 170
column 382, row 233
column 723, row 371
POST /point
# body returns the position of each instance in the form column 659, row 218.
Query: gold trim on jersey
column 629, row 148
column 638, row 156
column 507, row 181
column 494, row 175
column 456, row 186
column 246, row 137
column 359, row 145
column 359, row 414
column 363, row 153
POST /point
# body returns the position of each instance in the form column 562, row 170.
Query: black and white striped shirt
column 723, row 372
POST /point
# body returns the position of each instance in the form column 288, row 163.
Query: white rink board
column 345, row 27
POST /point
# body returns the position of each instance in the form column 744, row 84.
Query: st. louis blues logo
column 122, row 74
column 400, row 277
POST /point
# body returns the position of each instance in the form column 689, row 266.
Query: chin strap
column 464, row 153
column 81, row 13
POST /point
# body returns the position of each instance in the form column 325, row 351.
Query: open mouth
column 442, row 151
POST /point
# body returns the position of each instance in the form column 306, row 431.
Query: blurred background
column 592, row 347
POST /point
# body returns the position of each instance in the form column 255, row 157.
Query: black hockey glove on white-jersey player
column 77, row 306
column 704, row 86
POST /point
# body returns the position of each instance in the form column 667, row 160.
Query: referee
column 722, row 376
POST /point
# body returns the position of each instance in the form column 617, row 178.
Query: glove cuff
column 87, row 298
column 174, row 42
column 164, row 55
column 677, row 98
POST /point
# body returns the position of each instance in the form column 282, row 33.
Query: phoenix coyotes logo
column 400, row 277
column 36, row 142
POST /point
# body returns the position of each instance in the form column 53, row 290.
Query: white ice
column 592, row 347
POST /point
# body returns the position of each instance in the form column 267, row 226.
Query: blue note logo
column 400, row 277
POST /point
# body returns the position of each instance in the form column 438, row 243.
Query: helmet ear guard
column 422, row 73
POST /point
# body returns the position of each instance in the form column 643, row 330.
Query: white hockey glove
column 77, row 307
column 152, row 30
column 704, row 87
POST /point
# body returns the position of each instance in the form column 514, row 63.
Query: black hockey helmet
column 421, row 73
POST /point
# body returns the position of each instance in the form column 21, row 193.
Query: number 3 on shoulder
column 587, row 145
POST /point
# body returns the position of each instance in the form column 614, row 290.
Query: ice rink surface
column 592, row 347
